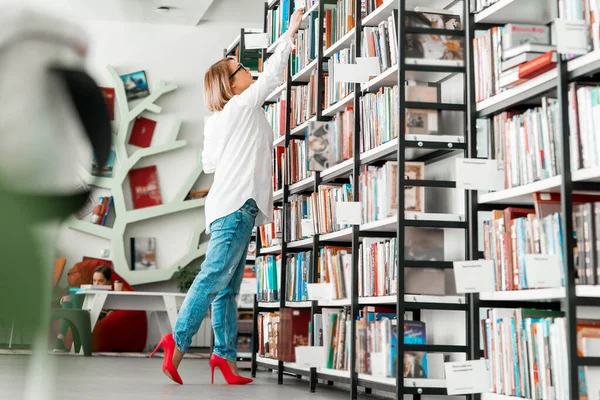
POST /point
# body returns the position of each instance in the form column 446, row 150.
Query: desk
column 97, row 300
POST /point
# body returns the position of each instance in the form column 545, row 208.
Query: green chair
column 79, row 322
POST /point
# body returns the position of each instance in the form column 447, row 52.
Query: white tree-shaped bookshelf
column 123, row 164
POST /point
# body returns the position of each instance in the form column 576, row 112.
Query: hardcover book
column 145, row 190
column 143, row 253
column 415, row 362
column 136, row 85
column 142, row 132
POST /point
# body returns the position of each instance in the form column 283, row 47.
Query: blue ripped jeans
column 218, row 282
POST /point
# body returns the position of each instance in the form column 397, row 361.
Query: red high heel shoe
column 168, row 344
column 216, row 361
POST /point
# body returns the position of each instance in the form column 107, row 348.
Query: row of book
column 278, row 20
column 335, row 268
column 584, row 115
column 303, row 101
column 306, row 45
column 339, row 19
column 379, row 190
column 336, row 91
column 381, row 42
column 268, row 271
column 510, row 55
column 525, row 349
column 298, row 267
column 527, row 144
column 586, row 10
column 586, row 223
column 271, row 234
column 275, row 114
column 295, row 167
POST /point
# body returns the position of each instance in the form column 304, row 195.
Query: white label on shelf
column 319, row 291
column 248, row 286
column 310, row 356
column 474, row 276
column 344, row 73
column 256, row 41
column 300, row 4
column 348, row 213
column 543, row 271
column 476, row 174
column 377, row 363
column 308, row 229
column 467, row 377
column 368, row 66
column 571, row 36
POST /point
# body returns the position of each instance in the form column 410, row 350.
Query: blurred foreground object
column 52, row 117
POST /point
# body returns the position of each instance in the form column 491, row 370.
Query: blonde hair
column 217, row 88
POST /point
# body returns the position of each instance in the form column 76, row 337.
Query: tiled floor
column 94, row 378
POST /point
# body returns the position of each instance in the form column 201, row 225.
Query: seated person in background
column 102, row 276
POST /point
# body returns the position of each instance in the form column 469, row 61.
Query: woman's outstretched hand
column 295, row 21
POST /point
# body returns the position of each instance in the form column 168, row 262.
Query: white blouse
column 238, row 146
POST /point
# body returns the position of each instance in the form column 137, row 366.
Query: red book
column 511, row 214
column 141, row 134
column 549, row 203
column 538, row 65
column 109, row 97
column 145, row 190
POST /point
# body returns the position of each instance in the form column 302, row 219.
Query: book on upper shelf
column 381, row 42
column 336, row 91
column 305, row 49
column 339, row 20
column 143, row 253
column 298, row 272
column 583, row 114
column 136, row 85
column 334, row 267
column 145, row 189
column 106, row 170
column 195, row 194
column 271, row 234
column 142, row 132
column 268, row 271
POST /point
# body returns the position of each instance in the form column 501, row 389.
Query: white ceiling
column 183, row 12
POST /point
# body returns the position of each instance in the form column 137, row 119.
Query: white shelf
column 96, row 181
column 387, row 78
column 298, row 304
column 343, row 43
column 250, row 258
column 271, row 250
column 495, row 396
column 302, row 184
column 388, row 150
column 539, row 12
column 295, row 366
column 267, row 361
column 521, row 194
column 408, row 382
column 333, row 372
column 269, row 304
column 165, row 209
column 298, row 129
column 278, row 195
column 344, row 235
column 413, row 298
column 304, row 74
column 377, row 379
column 274, row 95
column 305, row 17
column 381, row 13
column 90, row 228
column 390, row 224
column 271, row 47
column 547, row 294
column 588, row 291
column 335, row 303
column 244, row 355
column 300, row 243
column 280, row 141
column 339, row 169
column 338, row 106
column 586, row 175
column 233, row 44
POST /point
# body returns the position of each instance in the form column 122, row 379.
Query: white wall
column 178, row 54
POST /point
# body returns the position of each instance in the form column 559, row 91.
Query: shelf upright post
column 566, row 194
column 471, row 239
column 265, row 15
column 354, row 308
column 400, row 308
column 254, row 344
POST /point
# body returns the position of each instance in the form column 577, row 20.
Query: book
column 145, row 189
column 298, row 267
column 142, row 132
column 415, row 362
column 104, row 171
column 518, row 60
column 143, row 253
column 293, row 332
column 136, row 85
column 268, row 271
column 109, row 98
column 514, row 35
column 584, row 143
column 527, row 48
column 528, row 70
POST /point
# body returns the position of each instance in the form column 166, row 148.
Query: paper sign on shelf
column 310, row 356
column 378, row 365
column 474, row 276
column 467, row 377
column 308, row 228
column 256, row 41
column 344, row 73
column 476, row 174
column 571, row 36
column 368, row 66
column 543, row 271
column 348, row 213
column 319, row 291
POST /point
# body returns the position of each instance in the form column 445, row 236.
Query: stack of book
column 379, row 118
column 527, row 143
column 332, row 331
column 508, row 56
column 586, row 222
column 584, row 115
column 298, row 271
column 296, row 168
column 268, row 334
column 276, row 115
column 586, row 10
column 336, row 91
column 381, row 42
column 268, row 271
column 368, row 6
column 271, row 234
column 306, row 45
column 339, row 20
column 525, row 350
column 335, row 268
column 378, row 190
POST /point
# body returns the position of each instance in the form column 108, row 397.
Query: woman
column 237, row 149
column 102, row 276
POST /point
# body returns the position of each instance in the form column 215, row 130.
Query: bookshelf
column 427, row 148
column 573, row 299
